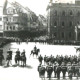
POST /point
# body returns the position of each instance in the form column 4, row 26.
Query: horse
column 77, row 49
column 21, row 58
column 17, row 59
column 35, row 52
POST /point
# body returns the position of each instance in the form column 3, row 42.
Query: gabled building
column 19, row 22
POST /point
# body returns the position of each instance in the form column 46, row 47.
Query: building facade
column 63, row 20
column 18, row 21
column 1, row 21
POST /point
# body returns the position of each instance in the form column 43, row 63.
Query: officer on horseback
column 35, row 48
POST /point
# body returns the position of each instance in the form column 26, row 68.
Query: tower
column 4, row 7
column 77, row 2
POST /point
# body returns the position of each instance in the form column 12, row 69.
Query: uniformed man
column 58, row 71
column 49, row 69
column 18, row 52
column 35, row 48
column 55, row 69
column 40, row 58
column 9, row 57
column 70, row 72
column 45, row 57
column 1, row 56
column 78, row 69
column 63, row 69
column 41, row 70
column 23, row 53
column 74, row 68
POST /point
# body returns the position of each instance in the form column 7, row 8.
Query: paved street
column 30, row 72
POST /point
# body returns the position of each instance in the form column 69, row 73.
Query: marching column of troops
column 67, row 64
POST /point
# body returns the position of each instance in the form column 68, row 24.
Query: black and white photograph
column 39, row 39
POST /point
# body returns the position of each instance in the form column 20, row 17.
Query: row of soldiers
column 72, row 69
column 60, row 64
column 59, row 59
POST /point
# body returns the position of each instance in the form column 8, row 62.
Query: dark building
column 63, row 21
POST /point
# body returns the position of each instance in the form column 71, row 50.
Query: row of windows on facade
column 63, row 23
column 10, row 19
column 62, row 35
column 16, row 11
column 10, row 28
column 64, row 13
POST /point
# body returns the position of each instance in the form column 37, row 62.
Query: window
column 70, row 24
column 10, row 27
column 63, row 13
column 71, row 13
column 69, row 34
column 55, row 13
column 78, row 13
column 13, row 27
column 6, row 27
column 78, row 22
column 0, row 27
column 62, row 34
column 63, row 24
column 55, row 24
column 55, row 34
column 0, row 19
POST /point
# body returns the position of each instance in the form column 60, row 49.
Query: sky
column 37, row 6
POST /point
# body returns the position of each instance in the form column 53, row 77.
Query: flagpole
column 76, row 32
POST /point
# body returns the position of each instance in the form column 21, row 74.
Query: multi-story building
column 1, row 21
column 18, row 21
column 63, row 20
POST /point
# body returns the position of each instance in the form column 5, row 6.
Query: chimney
column 77, row 2
column 51, row 1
